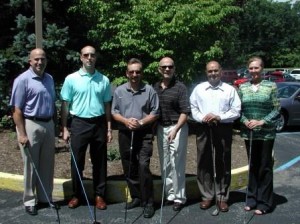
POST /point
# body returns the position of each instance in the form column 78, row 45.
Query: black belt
column 167, row 123
column 43, row 119
column 90, row 119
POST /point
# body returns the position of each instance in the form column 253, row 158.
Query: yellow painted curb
column 116, row 189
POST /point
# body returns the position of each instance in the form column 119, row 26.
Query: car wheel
column 281, row 123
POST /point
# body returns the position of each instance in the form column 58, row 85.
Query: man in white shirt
column 215, row 105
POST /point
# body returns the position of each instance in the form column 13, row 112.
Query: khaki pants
column 172, row 157
column 42, row 149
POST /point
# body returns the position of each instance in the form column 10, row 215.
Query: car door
column 295, row 108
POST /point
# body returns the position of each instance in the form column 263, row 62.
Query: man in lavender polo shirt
column 32, row 102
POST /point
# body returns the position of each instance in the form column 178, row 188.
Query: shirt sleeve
column 66, row 91
column 154, row 102
column 115, row 103
column 18, row 94
column 234, row 108
column 275, row 113
column 107, row 95
column 195, row 109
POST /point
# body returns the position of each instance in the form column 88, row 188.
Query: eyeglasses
column 167, row 66
column 87, row 55
column 134, row 71
column 211, row 71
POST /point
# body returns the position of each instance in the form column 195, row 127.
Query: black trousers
column 139, row 179
column 91, row 132
column 260, row 187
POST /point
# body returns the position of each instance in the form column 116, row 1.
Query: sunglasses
column 167, row 66
column 87, row 55
column 134, row 71
column 211, row 71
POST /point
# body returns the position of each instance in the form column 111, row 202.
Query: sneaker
column 136, row 202
column 148, row 211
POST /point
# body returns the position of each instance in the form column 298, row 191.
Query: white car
column 296, row 74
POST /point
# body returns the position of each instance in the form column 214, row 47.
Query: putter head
column 215, row 212
column 95, row 222
column 55, row 206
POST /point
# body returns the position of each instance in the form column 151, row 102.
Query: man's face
column 88, row 57
column 166, row 68
column 213, row 72
column 134, row 73
column 38, row 61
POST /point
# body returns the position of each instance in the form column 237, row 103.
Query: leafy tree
column 271, row 30
column 190, row 31
column 20, row 40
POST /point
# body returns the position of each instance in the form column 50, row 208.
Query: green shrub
column 113, row 154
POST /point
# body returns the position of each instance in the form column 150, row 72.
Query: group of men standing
column 141, row 111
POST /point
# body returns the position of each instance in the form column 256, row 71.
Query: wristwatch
column 141, row 123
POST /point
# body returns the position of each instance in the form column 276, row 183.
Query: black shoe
column 168, row 202
column 136, row 202
column 52, row 204
column 148, row 211
column 177, row 206
column 31, row 210
column 41, row 205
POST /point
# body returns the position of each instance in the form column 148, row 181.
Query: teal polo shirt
column 86, row 93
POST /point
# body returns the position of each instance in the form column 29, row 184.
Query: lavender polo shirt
column 34, row 95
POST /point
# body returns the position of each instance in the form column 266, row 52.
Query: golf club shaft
column 216, row 212
column 93, row 217
column 164, row 183
column 27, row 152
column 249, row 165
column 130, row 160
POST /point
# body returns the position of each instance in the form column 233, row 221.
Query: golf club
column 164, row 186
column 93, row 216
column 249, row 164
column 51, row 205
column 130, row 155
column 217, row 210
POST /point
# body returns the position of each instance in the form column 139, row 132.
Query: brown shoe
column 100, row 203
column 74, row 203
column 205, row 204
column 223, row 206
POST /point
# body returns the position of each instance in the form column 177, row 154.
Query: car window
column 295, row 72
column 287, row 91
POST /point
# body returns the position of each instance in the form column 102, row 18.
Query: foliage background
column 190, row 31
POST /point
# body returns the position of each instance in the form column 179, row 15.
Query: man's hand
column 65, row 134
column 132, row 123
column 109, row 135
column 211, row 118
column 23, row 140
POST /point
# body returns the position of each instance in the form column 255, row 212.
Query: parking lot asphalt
column 286, row 200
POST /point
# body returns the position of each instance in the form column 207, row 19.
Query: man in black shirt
column 172, row 132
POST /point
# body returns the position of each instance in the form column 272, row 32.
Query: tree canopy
column 190, row 31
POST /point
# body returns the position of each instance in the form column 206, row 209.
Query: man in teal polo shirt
column 86, row 95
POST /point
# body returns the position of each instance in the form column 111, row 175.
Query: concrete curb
column 116, row 189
